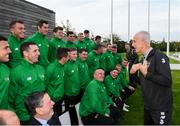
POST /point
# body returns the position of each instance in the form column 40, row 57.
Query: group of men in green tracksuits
column 63, row 69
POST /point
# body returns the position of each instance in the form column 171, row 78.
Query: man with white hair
column 156, row 81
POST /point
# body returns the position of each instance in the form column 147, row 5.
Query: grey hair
column 145, row 36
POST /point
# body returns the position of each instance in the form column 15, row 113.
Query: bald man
column 156, row 81
column 96, row 106
column 8, row 118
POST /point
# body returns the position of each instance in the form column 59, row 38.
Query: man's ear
column 25, row 53
column 39, row 111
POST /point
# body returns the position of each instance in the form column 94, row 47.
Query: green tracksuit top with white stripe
column 43, row 44
column 25, row 79
column 95, row 100
column 54, row 80
column 4, row 86
column 72, row 81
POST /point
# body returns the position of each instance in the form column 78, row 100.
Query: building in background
column 28, row 12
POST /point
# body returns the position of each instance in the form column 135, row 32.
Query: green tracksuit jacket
column 112, row 86
column 25, row 79
column 4, row 86
column 54, row 80
column 72, row 81
column 83, row 73
column 89, row 44
column 15, row 55
column 107, row 62
column 70, row 44
column 93, row 62
column 53, row 45
column 80, row 45
column 117, row 58
column 95, row 100
column 43, row 44
column 122, row 78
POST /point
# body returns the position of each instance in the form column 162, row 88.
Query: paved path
column 175, row 66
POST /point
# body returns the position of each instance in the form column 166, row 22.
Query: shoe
column 125, row 109
column 126, row 105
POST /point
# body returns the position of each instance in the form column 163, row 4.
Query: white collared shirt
column 42, row 121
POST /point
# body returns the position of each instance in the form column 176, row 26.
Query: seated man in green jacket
column 113, row 87
column 96, row 106
column 54, row 79
column 25, row 79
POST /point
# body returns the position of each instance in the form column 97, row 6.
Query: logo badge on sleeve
column 163, row 60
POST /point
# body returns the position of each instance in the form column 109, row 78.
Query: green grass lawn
column 135, row 116
column 173, row 61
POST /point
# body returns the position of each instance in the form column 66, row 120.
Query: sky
column 95, row 15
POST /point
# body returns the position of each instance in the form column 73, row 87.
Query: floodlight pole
column 169, row 17
column 149, row 16
column 128, row 21
column 111, row 22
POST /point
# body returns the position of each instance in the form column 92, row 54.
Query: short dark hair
column 97, row 47
column 11, row 25
column 25, row 47
column 97, row 37
column 41, row 22
column 2, row 38
column 57, row 28
column 72, row 49
column 69, row 33
column 33, row 101
column 61, row 52
column 86, row 31
column 82, row 50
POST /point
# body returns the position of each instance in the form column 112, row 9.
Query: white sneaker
column 125, row 109
column 126, row 105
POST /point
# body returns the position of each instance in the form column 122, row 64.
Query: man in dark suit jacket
column 40, row 107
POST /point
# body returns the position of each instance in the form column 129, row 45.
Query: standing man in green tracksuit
column 80, row 44
column 106, row 60
column 42, row 41
column 96, row 106
column 4, row 72
column 56, row 42
column 15, row 39
column 83, row 70
column 93, row 59
column 25, row 79
column 54, row 79
column 89, row 43
column 70, row 40
column 72, row 85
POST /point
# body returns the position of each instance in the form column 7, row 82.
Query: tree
column 67, row 26
column 119, row 42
